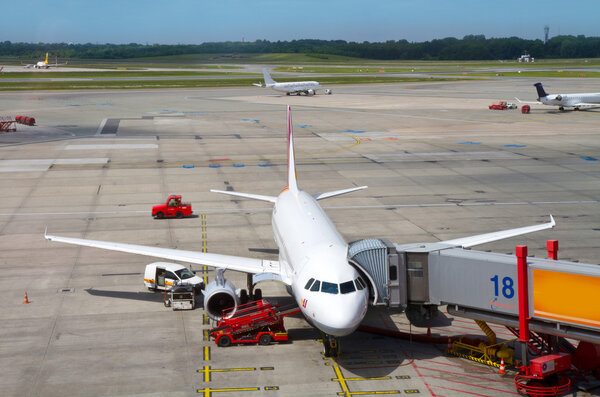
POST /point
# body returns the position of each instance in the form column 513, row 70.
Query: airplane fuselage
column 310, row 247
column 293, row 87
column 571, row 100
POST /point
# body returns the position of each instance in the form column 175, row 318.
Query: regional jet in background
column 44, row 64
column 313, row 263
column 575, row 101
column 299, row 87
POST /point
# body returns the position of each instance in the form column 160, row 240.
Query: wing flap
column 238, row 263
column 494, row 236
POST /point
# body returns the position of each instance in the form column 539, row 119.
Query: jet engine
column 219, row 295
column 558, row 98
column 328, row 91
column 310, row 92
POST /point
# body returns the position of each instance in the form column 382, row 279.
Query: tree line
column 471, row 47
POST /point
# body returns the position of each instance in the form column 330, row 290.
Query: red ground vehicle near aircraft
column 172, row 208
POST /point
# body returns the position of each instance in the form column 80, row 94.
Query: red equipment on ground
column 255, row 322
column 172, row 208
column 525, row 109
column 7, row 124
column 25, row 120
column 498, row 106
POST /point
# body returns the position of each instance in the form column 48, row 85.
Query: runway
column 438, row 163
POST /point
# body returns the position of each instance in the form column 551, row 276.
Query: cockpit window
column 329, row 288
column 347, row 287
column 184, row 273
column 360, row 284
column 316, row 286
column 307, row 286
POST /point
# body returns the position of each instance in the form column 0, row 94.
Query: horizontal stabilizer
column 489, row 237
column 247, row 195
column 337, row 192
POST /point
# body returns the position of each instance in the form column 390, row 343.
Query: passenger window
column 316, row 286
column 329, row 288
column 347, row 287
column 171, row 275
column 307, row 286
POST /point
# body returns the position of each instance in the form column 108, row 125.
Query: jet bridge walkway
column 562, row 297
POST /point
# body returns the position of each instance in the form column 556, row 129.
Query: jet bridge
column 563, row 296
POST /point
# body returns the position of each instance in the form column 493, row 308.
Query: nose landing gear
column 332, row 345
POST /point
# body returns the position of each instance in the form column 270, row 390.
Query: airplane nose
column 346, row 318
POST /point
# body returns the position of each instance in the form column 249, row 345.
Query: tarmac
column 438, row 163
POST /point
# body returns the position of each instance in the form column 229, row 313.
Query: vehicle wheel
column 179, row 215
column 224, row 341
column 243, row 297
column 160, row 215
column 265, row 339
column 257, row 294
column 152, row 289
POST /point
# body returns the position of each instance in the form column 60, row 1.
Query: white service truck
column 164, row 275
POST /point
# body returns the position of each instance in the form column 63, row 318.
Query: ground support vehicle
column 173, row 207
column 163, row 276
column 181, row 297
column 498, row 106
column 511, row 105
column 255, row 322
column 525, row 109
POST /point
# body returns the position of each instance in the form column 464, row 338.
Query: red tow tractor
column 172, row 208
column 255, row 322
column 498, row 106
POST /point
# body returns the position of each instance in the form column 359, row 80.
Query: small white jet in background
column 44, row 64
column 299, row 87
column 575, row 101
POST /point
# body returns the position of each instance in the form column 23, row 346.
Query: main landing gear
column 332, row 345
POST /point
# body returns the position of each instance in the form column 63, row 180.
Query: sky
column 195, row 22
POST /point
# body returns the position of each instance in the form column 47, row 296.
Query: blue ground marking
column 254, row 121
column 353, row 131
column 304, row 126
column 179, row 111
column 236, row 165
column 469, row 143
column 214, row 165
column 517, row 146
column 194, row 113
column 188, row 166
column 588, row 158
column 106, row 104
column 264, row 164
column 73, row 104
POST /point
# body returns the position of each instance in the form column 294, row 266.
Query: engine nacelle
column 219, row 295
column 558, row 98
column 328, row 92
column 310, row 92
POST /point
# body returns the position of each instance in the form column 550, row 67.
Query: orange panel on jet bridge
column 571, row 298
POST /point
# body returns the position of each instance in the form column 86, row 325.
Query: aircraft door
column 170, row 279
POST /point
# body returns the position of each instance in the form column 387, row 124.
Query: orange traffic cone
column 502, row 371
column 449, row 348
column 25, row 300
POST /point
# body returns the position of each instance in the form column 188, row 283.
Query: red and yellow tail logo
column 304, row 302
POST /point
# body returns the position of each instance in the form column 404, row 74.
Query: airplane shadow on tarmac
column 140, row 296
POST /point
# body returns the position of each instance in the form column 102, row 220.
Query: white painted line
column 113, row 146
column 99, row 131
column 43, row 164
column 442, row 156
column 379, row 206
column 99, row 160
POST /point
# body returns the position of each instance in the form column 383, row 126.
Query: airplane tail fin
column 268, row 79
column 292, row 182
column 46, row 61
column 540, row 90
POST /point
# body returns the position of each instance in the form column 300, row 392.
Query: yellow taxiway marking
column 207, row 391
column 206, row 353
column 346, row 390
column 207, row 370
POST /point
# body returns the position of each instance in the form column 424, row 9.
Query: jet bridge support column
column 521, row 251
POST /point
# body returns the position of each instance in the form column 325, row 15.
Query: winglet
column 292, row 182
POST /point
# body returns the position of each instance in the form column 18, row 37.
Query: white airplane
column 44, row 64
column 575, row 101
column 313, row 259
column 299, row 87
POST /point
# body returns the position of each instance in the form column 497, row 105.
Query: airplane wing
column 238, row 263
column 260, row 197
column 529, row 102
column 337, row 192
column 489, row 237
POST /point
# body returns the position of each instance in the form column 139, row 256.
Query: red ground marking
column 462, row 391
column 462, row 374
column 470, row 384
column 412, row 363
column 391, row 138
column 219, row 160
column 456, row 365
